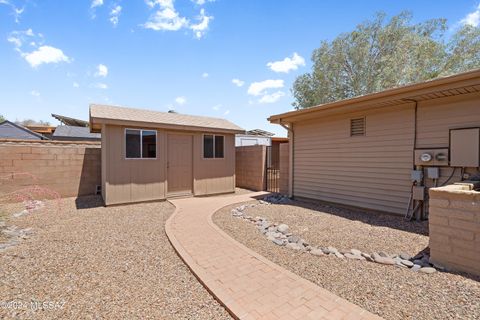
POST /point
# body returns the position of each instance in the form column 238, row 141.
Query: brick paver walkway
column 247, row 284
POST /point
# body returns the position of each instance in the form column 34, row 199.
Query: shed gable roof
column 115, row 115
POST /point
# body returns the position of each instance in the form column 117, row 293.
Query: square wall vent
column 357, row 127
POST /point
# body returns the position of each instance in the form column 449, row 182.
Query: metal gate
column 272, row 170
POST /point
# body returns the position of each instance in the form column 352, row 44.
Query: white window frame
column 141, row 143
column 203, row 146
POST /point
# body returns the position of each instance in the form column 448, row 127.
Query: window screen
column 213, row 146
column 208, row 146
column 149, row 144
column 357, row 127
column 140, row 144
column 132, row 143
column 218, row 146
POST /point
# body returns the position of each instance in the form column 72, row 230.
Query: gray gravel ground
column 100, row 263
column 388, row 291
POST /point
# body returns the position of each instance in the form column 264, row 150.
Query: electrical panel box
column 465, row 147
column 433, row 172
column 417, row 175
column 419, row 193
column 431, row 157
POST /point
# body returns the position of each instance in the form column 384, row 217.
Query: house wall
column 373, row 171
column 250, row 167
column 66, row 169
column 134, row 180
column 454, row 228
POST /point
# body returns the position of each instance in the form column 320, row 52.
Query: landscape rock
column 317, row 252
column 405, row 256
column 278, row 242
column 416, row 267
column 382, row 260
column 283, row 228
column 294, row 246
column 356, row 252
column 367, row 256
column 407, row 263
column 294, row 239
column 427, row 270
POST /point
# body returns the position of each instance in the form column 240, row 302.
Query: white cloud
column 271, row 98
column 201, row 27
column 100, row 85
column 96, row 3
column 217, row 107
column 181, row 100
column 45, row 54
column 287, row 64
column 114, row 14
column 19, row 37
column 226, row 112
column 16, row 12
column 76, row 85
column 259, row 88
column 238, row 82
column 165, row 18
column 102, row 71
column 205, row 75
column 473, row 18
column 201, row 2
column 35, row 93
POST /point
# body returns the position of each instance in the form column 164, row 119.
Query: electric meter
column 426, row 157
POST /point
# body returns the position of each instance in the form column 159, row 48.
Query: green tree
column 2, row 118
column 382, row 54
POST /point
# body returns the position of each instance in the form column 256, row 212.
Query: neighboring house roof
column 457, row 84
column 75, row 132
column 41, row 129
column 100, row 114
column 259, row 132
column 11, row 130
column 70, row 121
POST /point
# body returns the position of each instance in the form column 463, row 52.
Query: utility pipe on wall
column 289, row 128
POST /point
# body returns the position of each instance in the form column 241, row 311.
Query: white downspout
column 289, row 128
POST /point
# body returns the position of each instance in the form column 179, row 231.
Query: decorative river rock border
column 280, row 235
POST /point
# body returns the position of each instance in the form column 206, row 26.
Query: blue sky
column 222, row 58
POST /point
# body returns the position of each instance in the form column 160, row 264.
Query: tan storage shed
column 361, row 151
column 150, row 155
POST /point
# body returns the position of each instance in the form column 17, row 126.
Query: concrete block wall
column 250, row 167
column 67, row 168
column 284, row 168
column 454, row 227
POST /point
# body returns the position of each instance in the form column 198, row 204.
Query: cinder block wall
column 284, row 167
column 68, row 168
column 250, row 167
column 454, row 223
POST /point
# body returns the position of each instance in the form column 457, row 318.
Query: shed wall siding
column 213, row 176
column 135, row 180
column 132, row 180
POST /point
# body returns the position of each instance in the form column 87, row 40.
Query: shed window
column 140, row 144
column 357, row 127
column 213, row 146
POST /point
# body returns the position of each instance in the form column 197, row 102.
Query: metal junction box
column 465, row 147
column 419, row 193
column 431, row 157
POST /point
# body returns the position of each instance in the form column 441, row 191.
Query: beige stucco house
column 361, row 151
column 150, row 155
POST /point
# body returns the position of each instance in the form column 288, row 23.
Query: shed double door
column 179, row 165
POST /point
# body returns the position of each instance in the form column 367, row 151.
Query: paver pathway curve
column 247, row 284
